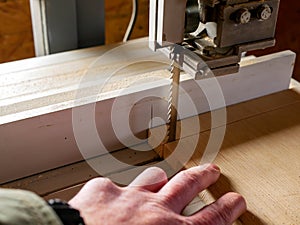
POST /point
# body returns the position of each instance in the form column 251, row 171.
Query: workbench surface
column 259, row 158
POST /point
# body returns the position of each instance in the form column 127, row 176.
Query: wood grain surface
column 16, row 39
column 71, row 175
column 38, row 95
column 259, row 158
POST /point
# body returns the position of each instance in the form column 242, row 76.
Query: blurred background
column 16, row 38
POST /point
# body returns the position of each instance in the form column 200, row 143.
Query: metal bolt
column 209, row 51
column 243, row 16
column 264, row 12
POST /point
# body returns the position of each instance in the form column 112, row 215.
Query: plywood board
column 259, row 159
column 71, row 175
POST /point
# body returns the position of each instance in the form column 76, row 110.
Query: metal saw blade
column 173, row 102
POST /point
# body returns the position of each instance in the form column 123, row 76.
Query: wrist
column 67, row 214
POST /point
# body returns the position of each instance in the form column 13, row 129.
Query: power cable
column 132, row 20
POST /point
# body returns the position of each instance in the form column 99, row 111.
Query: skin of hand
column 151, row 199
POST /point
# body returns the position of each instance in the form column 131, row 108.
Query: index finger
column 184, row 186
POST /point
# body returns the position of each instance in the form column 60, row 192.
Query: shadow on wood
column 224, row 186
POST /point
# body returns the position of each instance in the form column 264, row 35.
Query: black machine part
column 242, row 25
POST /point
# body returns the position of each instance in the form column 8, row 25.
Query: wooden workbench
column 259, row 158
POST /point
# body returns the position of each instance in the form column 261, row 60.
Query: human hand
column 151, row 199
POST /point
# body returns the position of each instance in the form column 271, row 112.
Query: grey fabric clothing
column 19, row 207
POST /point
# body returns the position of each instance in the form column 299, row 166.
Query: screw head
column 264, row 12
column 243, row 16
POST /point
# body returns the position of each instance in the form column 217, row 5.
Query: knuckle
column 223, row 216
column 101, row 182
column 166, row 200
column 107, row 183
column 188, row 221
column 190, row 178
column 156, row 170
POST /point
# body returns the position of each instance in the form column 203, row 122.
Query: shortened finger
column 224, row 211
column 183, row 187
column 151, row 179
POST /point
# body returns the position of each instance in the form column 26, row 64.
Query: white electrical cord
column 132, row 20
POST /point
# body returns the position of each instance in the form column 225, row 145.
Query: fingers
column 152, row 179
column 223, row 212
column 187, row 184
